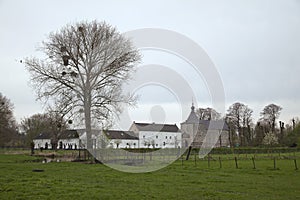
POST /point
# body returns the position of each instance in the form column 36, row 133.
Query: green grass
column 187, row 180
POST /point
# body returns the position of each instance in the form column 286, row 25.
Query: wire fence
column 256, row 158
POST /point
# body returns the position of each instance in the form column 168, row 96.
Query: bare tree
column 50, row 122
column 8, row 126
column 207, row 114
column 247, row 121
column 34, row 125
column 240, row 116
column 85, row 66
column 269, row 114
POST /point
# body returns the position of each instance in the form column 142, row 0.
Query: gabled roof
column 157, row 127
column 43, row 136
column 69, row 134
column 122, row 135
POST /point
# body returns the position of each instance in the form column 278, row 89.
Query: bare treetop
column 85, row 66
column 270, row 113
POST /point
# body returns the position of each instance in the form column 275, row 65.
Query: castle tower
column 189, row 128
column 194, row 131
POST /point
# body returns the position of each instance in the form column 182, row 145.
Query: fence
column 261, row 158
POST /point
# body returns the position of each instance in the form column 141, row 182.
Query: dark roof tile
column 69, row 134
column 124, row 135
column 157, row 127
column 45, row 135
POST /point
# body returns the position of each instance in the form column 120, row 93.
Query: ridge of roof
column 68, row 134
column 157, row 127
column 117, row 134
column 43, row 135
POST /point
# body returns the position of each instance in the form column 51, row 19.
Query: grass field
column 180, row 180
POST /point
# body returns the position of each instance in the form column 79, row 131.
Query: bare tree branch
column 84, row 67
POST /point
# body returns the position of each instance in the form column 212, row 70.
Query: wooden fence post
column 253, row 161
column 295, row 162
column 236, row 163
column 220, row 161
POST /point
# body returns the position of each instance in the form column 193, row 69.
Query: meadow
column 25, row 177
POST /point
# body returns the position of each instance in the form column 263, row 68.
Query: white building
column 140, row 135
column 153, row 135
column 43, row 141
column 120, row 139
column 68, row 139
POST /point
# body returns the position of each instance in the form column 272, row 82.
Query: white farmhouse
column 152, row 135
column 68, row 139
column 43, row 141
column 121, row 139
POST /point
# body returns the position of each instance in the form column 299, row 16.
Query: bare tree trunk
column 88, row 127
column 87, row 115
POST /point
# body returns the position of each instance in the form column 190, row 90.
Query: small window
column 166, row 137
column 143, row 136
column 170, row 137
column 164, row 143
column 156, row 145
column 157, row 137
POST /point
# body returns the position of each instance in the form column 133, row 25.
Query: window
column 166, row 137
column 157, row 137
column 143, row 136
column 156, row 145
column 170, row 137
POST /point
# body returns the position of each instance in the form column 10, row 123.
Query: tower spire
column 192, row 118
column 193, row 107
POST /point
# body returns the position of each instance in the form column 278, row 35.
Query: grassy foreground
column 187, row 180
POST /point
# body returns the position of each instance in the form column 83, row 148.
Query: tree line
column 267, row 131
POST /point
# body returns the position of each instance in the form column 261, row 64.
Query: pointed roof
column 192, row 118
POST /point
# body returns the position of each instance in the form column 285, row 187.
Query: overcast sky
column 254, row 45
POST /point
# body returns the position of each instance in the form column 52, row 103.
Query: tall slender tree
column 84, row 67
